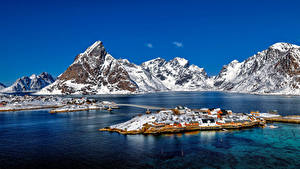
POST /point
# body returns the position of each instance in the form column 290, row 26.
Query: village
column 182, row 119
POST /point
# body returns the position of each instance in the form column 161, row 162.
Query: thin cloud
column 149, row 45
column 177, row 44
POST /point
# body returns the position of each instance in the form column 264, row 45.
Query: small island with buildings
column 182, row 119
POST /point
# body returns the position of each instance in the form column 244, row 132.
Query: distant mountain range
column 275, row 70
column 29, row 84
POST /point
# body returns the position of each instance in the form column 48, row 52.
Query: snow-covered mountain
column 93, row 72
column 275, row 70
column 2, row 86
column 32, row 83
column 97, row 72
column 145, row 81
column 178, row 75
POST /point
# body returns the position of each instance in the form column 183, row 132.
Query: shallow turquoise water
column 37, row 139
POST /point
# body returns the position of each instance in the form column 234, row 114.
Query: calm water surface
column 37, row 139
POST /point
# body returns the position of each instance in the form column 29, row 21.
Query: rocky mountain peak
column 180, row 62
column 93, row 55
column 157, row 61
column 93, row 72
column 234, row 62
column 33, row 76
column 283, row 47
column 95, row 48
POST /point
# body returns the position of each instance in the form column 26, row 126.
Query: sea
column 38, row 139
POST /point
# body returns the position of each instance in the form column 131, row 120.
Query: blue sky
column 39, row 36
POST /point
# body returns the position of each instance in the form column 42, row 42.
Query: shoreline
column 169, row 130
column 30, row 108
column 74, row 110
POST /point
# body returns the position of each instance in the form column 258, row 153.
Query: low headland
column 56, row 104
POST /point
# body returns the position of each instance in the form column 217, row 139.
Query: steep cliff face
column 32, row 83
column 93, row 72
column 177, row 74
column 275, row 70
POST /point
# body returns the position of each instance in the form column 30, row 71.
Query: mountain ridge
column 275, row 70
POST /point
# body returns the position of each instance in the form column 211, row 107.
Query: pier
column 284, row 119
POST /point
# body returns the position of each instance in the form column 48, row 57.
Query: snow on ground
column 70, row 108
column 10, row 102
column 186, row 116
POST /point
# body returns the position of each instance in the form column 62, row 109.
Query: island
column 182, row 119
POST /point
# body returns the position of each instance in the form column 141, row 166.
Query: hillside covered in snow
column 178, row 75
column 275, row 70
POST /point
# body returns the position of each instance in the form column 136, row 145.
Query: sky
column 45, row 36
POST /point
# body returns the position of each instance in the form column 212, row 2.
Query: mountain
column 144, row 79
column 2, row 86
column 178, row 75
column 32, row 83
column 93, row 72
column 275, row 70
column 97, row 72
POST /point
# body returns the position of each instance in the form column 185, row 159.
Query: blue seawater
column 37, row 139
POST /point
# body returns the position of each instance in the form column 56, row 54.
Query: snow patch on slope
column 144, row 79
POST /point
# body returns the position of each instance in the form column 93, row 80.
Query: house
column 181, row 109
